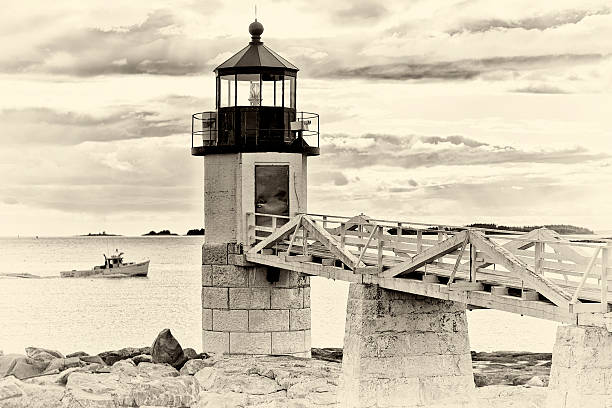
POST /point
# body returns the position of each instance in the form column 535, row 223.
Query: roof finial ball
column 256, row 29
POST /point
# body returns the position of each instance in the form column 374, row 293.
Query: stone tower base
column 252, row 310
column 403, row 350
column 581, row 373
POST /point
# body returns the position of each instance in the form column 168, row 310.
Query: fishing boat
column 113, row 267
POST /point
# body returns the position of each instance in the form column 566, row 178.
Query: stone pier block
column 214, row 298
column 230, row 320
column 250, row 343
column 214, row 254
column 249, row 298
column 287, row 298
column 207, row 275
column 215, row 342
column 299, row 319
column 581, row 373
column 207, row 321
column 403, row 350
column 288, row 342
column 229, row 276
column 268, row 320
column 245, row 306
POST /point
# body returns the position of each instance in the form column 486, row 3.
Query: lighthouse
column 255, row 146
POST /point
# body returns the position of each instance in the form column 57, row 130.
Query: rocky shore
column 165, row 375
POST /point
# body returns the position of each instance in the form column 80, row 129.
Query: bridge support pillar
column 403, row 350
column 251, row 309
column 581, row 373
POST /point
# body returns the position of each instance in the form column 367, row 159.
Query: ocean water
column 95, row 315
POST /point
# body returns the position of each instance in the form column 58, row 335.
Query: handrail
column 205, row 128
column 380, row 252
column 507, row 234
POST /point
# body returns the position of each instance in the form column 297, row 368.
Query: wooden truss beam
column 428, row 255
column 503, row 257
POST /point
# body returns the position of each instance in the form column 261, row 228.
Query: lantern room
column 256, row 92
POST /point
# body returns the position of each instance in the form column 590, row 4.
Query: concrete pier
column 252, row 310
column 404, row 350
column 581, row 373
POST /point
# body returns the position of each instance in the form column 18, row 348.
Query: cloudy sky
column 436, row 110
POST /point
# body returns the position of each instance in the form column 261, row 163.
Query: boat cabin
column 113, row 261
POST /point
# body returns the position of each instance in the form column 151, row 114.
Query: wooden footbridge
column 539, row 274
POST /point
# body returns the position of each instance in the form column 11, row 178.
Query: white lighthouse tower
column 255, row 147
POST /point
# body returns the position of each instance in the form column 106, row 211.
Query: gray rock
column 60, row 364
column 166, row 349
column 18, row 394
column 21, row 366
column 536, row 381
column 143, row 358
column 42, row 354
column 157, row 370
column 193, row 366
column 111, row 357
column 190, row 353
column 92, row 359
column 145, row 385
column 77, row 354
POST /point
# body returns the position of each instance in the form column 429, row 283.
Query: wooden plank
column 298, row 258
column 584, row 276
column 427, row 255
column 487, row 300
column 331, row 243
column 466, row 286
column 588, row 307
column 367, row 243
column 380, row 249
column 458, row 261
column 605, row 259
column 508, row 260
column 297, row 227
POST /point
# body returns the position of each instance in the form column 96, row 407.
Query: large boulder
column 131, row 386
column 60, row 364
column 20, row 366
column 193, row 366
column 166, row 349
column 18, row 394
column 111, row 357
column 42, row 354
column 143, row 358
column 268, row 382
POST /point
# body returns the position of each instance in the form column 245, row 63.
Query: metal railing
column 205, row 131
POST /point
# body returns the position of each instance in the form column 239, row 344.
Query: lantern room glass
column 256, row 90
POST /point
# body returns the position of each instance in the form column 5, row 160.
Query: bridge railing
column 583, row 270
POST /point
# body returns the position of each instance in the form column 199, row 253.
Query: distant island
column 100, row 234
column 162, row 232
column 195, row 231
column 563, row 229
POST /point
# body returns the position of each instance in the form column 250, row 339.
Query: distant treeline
column 162, row 232
column 100, row 234
column 195, row 231
column 563, row 229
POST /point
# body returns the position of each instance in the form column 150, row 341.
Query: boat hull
column 124, row 271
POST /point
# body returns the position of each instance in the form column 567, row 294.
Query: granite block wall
column 244, row 313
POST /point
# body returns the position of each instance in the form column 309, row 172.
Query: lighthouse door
column 272, row 190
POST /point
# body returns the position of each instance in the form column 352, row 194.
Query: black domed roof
column 255, row 55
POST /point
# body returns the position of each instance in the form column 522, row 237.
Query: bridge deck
column 539, row 273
